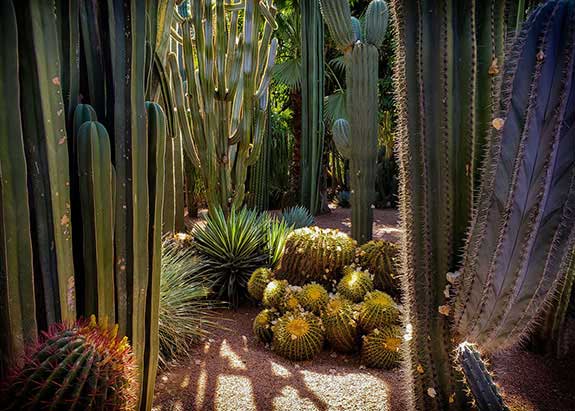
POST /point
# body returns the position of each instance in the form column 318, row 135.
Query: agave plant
column 297, row 217
column 277, row 232
column 185, row 311
column 232, row 248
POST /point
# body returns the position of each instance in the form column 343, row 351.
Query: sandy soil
column 231, row 371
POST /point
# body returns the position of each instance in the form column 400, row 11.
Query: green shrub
column 232, row 248
column 277, row 233
column 185, row 311
column 297, row 217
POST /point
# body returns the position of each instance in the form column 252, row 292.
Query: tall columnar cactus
column 521, row 227
column 96, row 184
column 357, row 139
column 17, row 303
column 221, row 107
column 312, row 93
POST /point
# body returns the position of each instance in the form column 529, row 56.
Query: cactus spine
column 439, row 168
column 222, row 113
column 312, row 93
column 358, row 139
column 95, row 181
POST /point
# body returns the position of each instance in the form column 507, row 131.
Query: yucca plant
column 277, row 232
column 232, row 248
column 185, row 308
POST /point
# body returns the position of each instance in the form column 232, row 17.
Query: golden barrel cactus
column 341, row 328
column 258, row 282
column 298, row 336
column 313, row 297
column 355, row 284
column 263, row 323
column 381, row 348
column 380, row 258
column 377, row 310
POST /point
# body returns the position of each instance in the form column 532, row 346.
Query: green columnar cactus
column 157, row 137
column 179, row 224
column 312, row 94
column 520, row 232
column 485, row 393
column 17, row 300
column 355, row 284
column 222, row 112
column 315, row 254
column 78, row 366
column 169, row 219
column 381, row 348
column 96, row 187
column 298, row 336
column 339, row 320
column 357, row 140
column 259, row 176
column 259, row 281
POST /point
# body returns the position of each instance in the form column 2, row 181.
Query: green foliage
column 315, row 254
column 380, row 258
column 277, row 233
column 232, row 248
column 313, row 297
column 297, row 217
column 258, row 282
column 377, row 310
column 263, row 323
column 78, row 366
column 341, row 328
column 185, row 311
column 298, row 336
column 381, row 347
column 355, row 284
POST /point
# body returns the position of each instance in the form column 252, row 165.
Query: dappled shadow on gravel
column 231, row 371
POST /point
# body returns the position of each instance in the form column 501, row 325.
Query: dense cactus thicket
column 221, row 104
column 356, row 138
column 79, row 366
column 478, row 128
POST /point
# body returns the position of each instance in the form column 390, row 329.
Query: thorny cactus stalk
column 356, row 139
column 522, row 219
column 228, row 55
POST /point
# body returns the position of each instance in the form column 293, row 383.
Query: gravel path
column 233, row 372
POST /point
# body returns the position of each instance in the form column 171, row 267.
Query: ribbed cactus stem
column 223, row 114
column 358, row 139
column 485, row 393
column 95, row 182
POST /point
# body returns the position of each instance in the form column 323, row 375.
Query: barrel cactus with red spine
column 82, row 366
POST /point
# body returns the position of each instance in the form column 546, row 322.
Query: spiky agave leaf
column 297, row 217
column 277, row 233
column 232, row 248
column 186, row 312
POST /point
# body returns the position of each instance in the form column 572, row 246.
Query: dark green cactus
column 17, row 301
column 95, row 182
column 449, row 119
column 315, row 254
column 485, row 393
column 312, row 94
column 298, row 336
column 358, row 139
column 78, row 366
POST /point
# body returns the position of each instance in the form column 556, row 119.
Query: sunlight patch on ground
column 234, row 393
column 235, row 361
column 201, row 391
column 185, row 382
column 280, row 370
column 363, row 385
column 290, row 399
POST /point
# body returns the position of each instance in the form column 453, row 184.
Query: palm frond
column 288, row 73
column 334, row 106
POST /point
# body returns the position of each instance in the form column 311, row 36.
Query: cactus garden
column 287, row 205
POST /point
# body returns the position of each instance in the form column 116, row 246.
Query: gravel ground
column 231, row 371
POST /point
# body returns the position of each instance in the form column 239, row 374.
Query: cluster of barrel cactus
column 79, row 366
column 350, row 315
column 380, row 258
column 315, row 254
